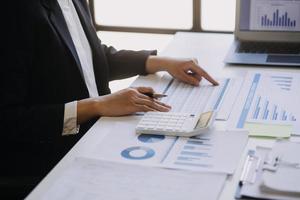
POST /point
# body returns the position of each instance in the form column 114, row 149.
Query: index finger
column 198, row 70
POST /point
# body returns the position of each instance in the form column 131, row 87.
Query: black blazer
column 43, row 73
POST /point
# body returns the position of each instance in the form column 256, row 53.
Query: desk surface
column 210, row 50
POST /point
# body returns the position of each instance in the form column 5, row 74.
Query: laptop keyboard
column 269, row 48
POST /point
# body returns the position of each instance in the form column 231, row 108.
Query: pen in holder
column 250, row 168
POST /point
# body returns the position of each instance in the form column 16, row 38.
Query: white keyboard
column 175, row 124
column 190, row 99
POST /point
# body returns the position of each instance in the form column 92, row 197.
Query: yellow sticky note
column 269, row 130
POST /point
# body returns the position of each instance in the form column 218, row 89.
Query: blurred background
column 144, row 24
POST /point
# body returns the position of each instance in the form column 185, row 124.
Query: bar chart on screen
column 275, row 15
column 277, row 20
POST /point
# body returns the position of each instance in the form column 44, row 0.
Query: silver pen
column 155, row 95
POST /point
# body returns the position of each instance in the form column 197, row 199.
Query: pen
column 248, row 175
column 155, row 95
column 245, row 170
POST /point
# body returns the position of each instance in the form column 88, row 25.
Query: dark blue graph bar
column 183, row 158
column 284, row 116
column 257, row 108
column 277, row 21
column 191, row 153
column 200, row 143
column 275, row 113
column 193, row 164
column 266, row 110
column 189, row 147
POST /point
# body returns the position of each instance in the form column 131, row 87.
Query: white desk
column 210, row 50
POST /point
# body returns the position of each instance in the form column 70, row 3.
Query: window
column 164, row 16
column 218, row 15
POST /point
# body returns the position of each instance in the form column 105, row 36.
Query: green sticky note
column 269, row 130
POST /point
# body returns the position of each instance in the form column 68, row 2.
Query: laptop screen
column 270, row 15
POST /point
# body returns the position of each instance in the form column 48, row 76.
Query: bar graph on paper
column 208, row 152
column 265, row 109
column 275, row 15
column 270, row 97
column 196, row 152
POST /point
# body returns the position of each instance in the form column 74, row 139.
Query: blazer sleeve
column 20, row 119
column 123, row 63
column 126, row 63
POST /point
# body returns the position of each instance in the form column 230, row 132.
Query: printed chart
column 205, row 153
column 270, row 97
column 209, row 152
column 195, row 152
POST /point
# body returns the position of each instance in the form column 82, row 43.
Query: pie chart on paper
column 138, row 153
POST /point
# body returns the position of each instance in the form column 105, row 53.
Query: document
column 268, row 98
column 89, row 179
column 122, row 144
column 218, row 151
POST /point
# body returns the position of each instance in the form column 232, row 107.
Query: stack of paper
column 88, row 179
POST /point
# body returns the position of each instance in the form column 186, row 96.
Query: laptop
column 267, row 32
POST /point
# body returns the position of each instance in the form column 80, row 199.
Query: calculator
column 175, row 124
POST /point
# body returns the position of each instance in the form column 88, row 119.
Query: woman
column 56, row 86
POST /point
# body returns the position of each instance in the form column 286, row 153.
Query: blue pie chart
column 138, row 153
column 149, row 138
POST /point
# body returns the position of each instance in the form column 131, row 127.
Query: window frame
column 196, row 27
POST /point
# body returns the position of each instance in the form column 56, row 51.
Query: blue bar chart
column 213, row 151
column 278, row 20
column 275, row 15
column 264, row 110
column 270, row 99
column 195, row 153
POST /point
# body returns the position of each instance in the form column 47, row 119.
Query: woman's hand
column 129, row 101
column 123, row 102
column 186, row 70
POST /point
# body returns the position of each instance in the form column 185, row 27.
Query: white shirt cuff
column 70, row 119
